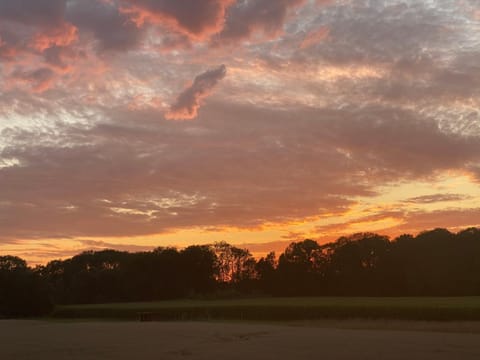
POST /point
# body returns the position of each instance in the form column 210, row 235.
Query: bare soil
column 348, row 339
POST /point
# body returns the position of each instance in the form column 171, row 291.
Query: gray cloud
column 40, row 79
column 33, row 12
column 188, row 102
column 382, row 31
column 113, row 29
column 256, row 16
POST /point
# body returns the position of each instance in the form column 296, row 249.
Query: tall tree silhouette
column 301, row 268
column 22, row 291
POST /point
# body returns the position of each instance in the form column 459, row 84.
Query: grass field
column 285, row 309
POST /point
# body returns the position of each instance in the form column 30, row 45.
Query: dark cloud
column 40, row 79
column 122, row 24
column 46, row 13
column 62, row 56
column 29, row 33
column 188, row 102
column 113, row 29
column 248, row 17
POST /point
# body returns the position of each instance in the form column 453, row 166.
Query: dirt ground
column 355, row 339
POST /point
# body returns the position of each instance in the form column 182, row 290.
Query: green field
column 285, row 309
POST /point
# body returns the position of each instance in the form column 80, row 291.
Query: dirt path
column 21, row 340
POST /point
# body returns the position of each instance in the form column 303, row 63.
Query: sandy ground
column 339, row 340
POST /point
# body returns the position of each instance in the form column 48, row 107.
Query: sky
column 135, row 124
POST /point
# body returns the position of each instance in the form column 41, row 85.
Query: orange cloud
column 64, row 35
column 196, row 19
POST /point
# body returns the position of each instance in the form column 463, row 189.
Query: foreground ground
column 349, row 339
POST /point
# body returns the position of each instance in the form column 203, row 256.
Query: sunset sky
column 135, row 124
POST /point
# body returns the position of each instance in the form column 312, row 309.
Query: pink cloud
column 196, row 19
column 63, row 35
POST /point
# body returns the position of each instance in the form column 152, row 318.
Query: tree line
column 433, row 263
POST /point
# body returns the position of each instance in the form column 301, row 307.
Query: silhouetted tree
column 199, row 266
column 356, row 264
column 22, row 291
column 234, row 264
column 301, row 268
column 266, row 273
column 435, row 262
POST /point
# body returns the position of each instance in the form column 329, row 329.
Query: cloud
column 7, row 51
column 34, row 26
column 137, row 175
column 46, row 13
column 431, row 199
column 112, row 29
column 381, row 31
column 27, row 32
column 251, row 17
column 410, row 222
column 63, row 35
column 40, row 79
column 189, row 101
column 455, row 219
column 196, row 19
column 315, row 37
column 401, row 140
column 98, row 245
column 61, row 57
